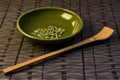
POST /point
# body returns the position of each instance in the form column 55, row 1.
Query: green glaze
column 49, row 16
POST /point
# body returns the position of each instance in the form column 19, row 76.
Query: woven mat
column 100, row 61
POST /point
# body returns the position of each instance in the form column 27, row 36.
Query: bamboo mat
column 99, row 61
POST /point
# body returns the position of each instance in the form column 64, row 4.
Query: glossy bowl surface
column 49, row 16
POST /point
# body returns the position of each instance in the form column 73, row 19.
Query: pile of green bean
column 52, row 32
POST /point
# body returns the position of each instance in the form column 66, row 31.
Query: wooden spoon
column 105, row 33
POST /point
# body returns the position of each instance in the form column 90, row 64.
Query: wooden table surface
column 98, row 61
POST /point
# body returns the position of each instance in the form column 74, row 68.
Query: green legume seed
column 52, row 32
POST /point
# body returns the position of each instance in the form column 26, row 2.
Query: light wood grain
column 105, row 33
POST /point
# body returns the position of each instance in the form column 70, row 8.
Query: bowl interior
column 44, row 17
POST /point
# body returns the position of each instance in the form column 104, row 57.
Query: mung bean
column 52, row 32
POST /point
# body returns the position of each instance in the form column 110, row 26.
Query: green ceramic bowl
column 49, row 24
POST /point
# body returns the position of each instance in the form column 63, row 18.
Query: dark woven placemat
column 100, row 61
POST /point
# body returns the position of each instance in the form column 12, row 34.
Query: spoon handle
column 48, row 55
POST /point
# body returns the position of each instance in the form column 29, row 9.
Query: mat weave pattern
column 99, row 61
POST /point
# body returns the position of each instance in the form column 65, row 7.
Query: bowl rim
column 57, row 8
